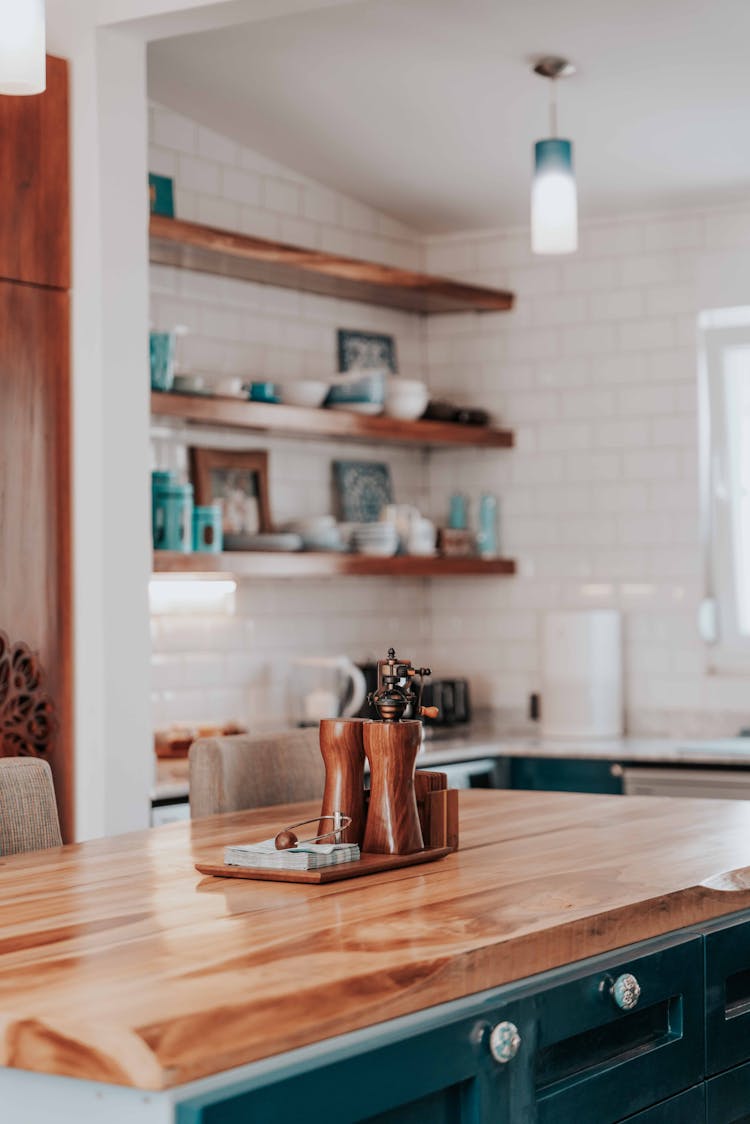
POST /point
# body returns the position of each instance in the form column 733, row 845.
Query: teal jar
column 161, row 350
column 160, row 479
column 207, row 530
column 458, row 512
column 487, row 538
column 173, row 516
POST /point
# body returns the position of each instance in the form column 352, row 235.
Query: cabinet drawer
column 549, row 775
column 445, row 1075
column 596, row 1063
column 685, row 1108
column 728, row 1097
column 728, row 997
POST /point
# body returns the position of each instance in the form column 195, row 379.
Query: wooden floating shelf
column 299, row 421
column 190, row 245
column 260, row 564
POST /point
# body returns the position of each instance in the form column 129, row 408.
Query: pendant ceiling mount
column 554, row 66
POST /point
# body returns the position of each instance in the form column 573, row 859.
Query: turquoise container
column 172, row 516
column 208, row 536
column 263, row 392
column 161, row 349
column 487, row 537
column 458, row 512
column 160, row 479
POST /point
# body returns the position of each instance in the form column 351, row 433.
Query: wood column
column 36, row 652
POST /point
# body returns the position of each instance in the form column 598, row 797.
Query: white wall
column 596, row 370
column 235, row 666
column 114, row 766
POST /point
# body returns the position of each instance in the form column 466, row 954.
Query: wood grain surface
column 302, row 421
column 309, row 564
column 118, row 962
column 35, row 519
column 35, row 195
column 190, row 245
column 393, row 826
column 363, row 868
column 343, row 751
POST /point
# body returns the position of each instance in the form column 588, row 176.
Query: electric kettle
column 324, row 687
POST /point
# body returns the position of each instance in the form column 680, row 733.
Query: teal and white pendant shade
column 554, row 199
column 23, row 65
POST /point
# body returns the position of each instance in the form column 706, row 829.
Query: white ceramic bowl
column 304, row 392
column 406, row 399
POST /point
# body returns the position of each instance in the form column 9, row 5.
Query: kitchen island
column 581, row 958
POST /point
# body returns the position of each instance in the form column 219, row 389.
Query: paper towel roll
column 582, row 674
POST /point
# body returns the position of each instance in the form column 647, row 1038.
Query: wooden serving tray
column 366, row 864
column 437, row 806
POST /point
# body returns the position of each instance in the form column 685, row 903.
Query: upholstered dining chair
column 231, row 774
column 28, row 810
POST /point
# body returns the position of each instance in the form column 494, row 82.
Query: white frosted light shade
column 554, row 199
column 23, row 66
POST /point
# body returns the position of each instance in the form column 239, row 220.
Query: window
column 725, row 454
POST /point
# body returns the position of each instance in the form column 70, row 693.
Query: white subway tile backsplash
column 241, row 187
column 649, row 269
column 202, row 176
column 588, row 339
column 281, row 195
column 589, row 276
column 213, row 146
column 646, row 400
column 619, row 304
column 218, row 212
column 595, row 370
column 647, row 335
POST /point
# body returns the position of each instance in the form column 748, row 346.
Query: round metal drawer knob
column 626, row 991
column 505, row 1042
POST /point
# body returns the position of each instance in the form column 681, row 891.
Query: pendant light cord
column 553, row 108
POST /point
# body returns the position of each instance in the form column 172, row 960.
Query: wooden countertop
column 119, row 963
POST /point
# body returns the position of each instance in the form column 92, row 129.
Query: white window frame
column 721, row 330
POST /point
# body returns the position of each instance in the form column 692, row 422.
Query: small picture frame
column 366, row 351
column 238, row 482
column 363, row 489
column 161, row 195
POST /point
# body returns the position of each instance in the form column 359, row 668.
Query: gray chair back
column 230, row 774
column 28, row 809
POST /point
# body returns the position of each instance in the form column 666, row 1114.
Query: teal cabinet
column 727, row 997
column 579, row 1057
column 686, row 1108
column 655, row 1034
column 728, row 1097
column 444, row 1076
column 596, row 1063
column 549, row 774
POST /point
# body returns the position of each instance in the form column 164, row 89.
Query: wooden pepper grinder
column 343, row 751
column 391, row 745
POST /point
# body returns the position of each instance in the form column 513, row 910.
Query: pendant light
column 554, row 202
column 23, row 66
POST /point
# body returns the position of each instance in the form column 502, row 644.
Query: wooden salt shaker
column 342, row 749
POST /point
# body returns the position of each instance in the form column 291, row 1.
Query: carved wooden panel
column 27, row 712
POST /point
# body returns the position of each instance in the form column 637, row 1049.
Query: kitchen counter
column 119, row 963
column 486, row 739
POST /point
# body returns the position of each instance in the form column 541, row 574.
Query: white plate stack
column 377, row 539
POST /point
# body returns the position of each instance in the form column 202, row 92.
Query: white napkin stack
column 304, row 856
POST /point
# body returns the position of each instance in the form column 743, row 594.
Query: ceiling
column 427, row 110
